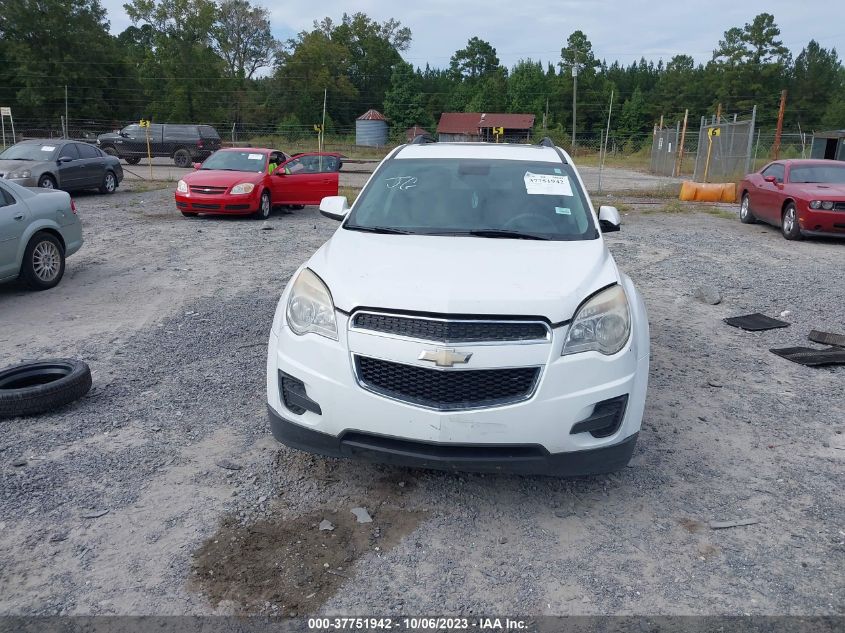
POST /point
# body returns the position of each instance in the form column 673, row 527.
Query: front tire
column 109, row 183
column 133, row 160
column 789, row 223
column 111, row 151
column 181, row 158
column 746, row 216
column 264, row 207
column 43, row 262
column 47, row 182
column 188, row 214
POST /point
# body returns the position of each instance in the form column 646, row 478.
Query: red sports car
column 802, row 197
column 249, row 180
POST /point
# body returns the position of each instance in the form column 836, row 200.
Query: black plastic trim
column 525, row 459
column 605, row 419
column 294, row 397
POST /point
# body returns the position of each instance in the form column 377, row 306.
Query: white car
column 466, row 315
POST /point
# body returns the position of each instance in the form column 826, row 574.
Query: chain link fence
column 664, row 152
column 724, row 150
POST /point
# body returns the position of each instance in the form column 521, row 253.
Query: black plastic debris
column 812, row 357
column 827, row 338
column 755, row 322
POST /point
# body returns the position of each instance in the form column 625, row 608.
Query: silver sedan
column 39, row 228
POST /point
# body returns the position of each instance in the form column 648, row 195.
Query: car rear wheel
column 43, row 262
column 109, row 183
column 181, row 158
column 133, row 160
column 47, row 182
column 264, row 207
column 745, row 214
column 789, row 223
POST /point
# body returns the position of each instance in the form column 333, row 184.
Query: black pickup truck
column 185, row 144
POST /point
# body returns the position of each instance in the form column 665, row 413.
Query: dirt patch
column 292, row 566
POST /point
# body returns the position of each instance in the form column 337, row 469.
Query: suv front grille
column 446, row 390
column 452, row 330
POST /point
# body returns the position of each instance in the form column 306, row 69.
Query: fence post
column 751, row 140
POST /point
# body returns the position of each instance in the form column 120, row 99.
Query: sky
column 623, row 30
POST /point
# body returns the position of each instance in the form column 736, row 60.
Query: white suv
column 466, row 315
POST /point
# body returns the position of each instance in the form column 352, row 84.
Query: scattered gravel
column 174, row 324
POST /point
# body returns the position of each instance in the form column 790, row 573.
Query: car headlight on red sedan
column 827, row 205
column 242, row 188
column 182, row 186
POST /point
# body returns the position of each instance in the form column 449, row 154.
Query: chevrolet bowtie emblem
column 445, row 357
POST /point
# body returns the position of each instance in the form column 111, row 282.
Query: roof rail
column 546, row 142
column 422, row 139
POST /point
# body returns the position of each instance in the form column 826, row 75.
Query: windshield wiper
column 504, row 234
column 386, row 230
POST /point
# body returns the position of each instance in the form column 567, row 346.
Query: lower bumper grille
column 446, row 390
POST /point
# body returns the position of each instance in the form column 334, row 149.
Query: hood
column 108, row 136
column 221, row 178
column 9, row 166
column 462, row 275
column 818, row 191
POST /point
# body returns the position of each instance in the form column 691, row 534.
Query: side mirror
column 770, row 179
column 197, row 165
column 609, row 219
column 64, row 159
column 123, row 134
column 334, row 207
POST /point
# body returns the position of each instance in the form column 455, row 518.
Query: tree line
column 218, row 62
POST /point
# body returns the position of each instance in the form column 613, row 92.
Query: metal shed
column 371, row 129
column 829, row 145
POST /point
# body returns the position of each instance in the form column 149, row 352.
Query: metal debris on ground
column 721, row 525
column 827, row 338
column 755, row 322
column 228, row 464
column 812, row 357
column 362, row 515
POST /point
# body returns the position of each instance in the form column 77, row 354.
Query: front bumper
column 486, row 458
column 532, row 435
column 821, row 223
column 226, row 204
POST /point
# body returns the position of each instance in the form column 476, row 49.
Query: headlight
column 244, row 187
column 182, row 186
column 25, row 173
column 310, row 307
column 815, row 204
column 603, row 324
column 827, row 205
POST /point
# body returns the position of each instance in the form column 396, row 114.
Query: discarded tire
column 40, row 386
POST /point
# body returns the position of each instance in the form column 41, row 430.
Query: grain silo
column 371, row 129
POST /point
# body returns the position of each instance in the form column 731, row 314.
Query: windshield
column 486, row 198
column 832, row 174
column 237, row 161
column 30, row 151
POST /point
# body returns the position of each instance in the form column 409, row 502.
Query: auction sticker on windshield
column 255, row 156
column 547, row 185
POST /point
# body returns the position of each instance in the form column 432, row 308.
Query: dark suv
column 185, row 144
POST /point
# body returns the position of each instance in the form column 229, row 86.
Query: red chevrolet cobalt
column 251, row 181
column 802, row 197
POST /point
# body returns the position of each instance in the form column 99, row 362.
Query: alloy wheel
column 46, row 261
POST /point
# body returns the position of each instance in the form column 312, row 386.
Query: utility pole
column 323, row 126
column 574, row 94
column 779, row 130
column 545, row 116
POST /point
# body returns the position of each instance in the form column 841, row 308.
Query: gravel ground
column 173, row 316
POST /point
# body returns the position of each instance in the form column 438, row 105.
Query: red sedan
column 802, row 197
column 251, row 181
